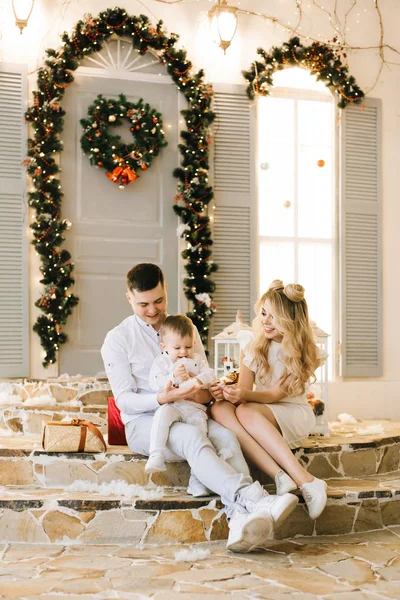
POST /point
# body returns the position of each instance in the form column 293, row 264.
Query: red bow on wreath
column 122, row 173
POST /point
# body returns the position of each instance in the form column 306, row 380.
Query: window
column 296, row 191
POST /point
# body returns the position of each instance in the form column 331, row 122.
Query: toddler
column 179, row 364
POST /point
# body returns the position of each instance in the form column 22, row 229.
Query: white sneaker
column 196, row 488
column 249, row 532
column 255, row 499
column 315, row 496
column 284, row 483
column 155, row 463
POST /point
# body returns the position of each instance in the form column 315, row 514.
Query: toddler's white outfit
column 293, row 414
column 184, row 411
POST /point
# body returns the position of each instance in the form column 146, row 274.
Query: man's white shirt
column 128, row 353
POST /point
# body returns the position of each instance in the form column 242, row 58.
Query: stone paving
column 130, row 539
column 347, row 567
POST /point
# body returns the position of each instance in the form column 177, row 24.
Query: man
column 128, row 352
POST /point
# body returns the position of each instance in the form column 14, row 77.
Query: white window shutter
column 360, row 241
column 14, row 310
column 232, row 215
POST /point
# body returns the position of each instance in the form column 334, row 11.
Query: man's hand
column 216, row 391
column 234, row 394
column 180, row 373
column 172, row 394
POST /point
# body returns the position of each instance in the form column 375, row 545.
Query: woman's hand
column 234, row 394
column 216, row 391
column 172, row 394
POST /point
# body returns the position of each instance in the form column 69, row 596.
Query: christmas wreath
column 45, row 115
column 322, row 60
column 122, row 161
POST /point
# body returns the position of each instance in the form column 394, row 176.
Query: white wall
column 363, row 398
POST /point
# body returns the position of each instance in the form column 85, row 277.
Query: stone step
column 343, row 455
column 154, row 515
column 88, row 390
column 25, row 420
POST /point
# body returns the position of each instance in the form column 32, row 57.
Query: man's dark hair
column 144, row 277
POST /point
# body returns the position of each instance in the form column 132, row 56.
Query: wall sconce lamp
column 22, row 11
column 223, row 23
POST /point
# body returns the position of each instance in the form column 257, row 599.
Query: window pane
column 315, row 178
column 276, row 262
column 315, row 123
column 315, row 274
column 299, row 78
column 276, row 166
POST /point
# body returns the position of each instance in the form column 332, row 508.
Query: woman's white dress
column 293, row 414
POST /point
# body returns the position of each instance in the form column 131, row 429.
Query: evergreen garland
column 194, row 192
column 320, row 59
column 122, row 161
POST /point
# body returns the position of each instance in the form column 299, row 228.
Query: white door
column 113, row 229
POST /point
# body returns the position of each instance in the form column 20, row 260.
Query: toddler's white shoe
column 255, row 499
column 249, row 532
column 284, row 483
column 315, row 496
column 196, row 488
column 155, row 463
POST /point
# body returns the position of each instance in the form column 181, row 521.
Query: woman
column 275, row 417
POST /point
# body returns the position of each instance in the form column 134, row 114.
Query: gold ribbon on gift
column 122, row 173
column 84, row 425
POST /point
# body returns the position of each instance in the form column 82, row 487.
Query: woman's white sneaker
column 249, row 532
column 315, row 496
column 284, row 483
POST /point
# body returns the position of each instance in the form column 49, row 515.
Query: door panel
column 113, row 229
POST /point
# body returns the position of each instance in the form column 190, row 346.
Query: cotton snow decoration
column 191, row 554
column 116, row 488
column 7, row 395
column 371, row 430
column 346, row 419
column 44, row 400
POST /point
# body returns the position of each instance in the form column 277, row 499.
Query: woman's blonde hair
column 300, row 353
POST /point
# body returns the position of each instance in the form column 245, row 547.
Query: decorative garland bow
column 122, row 175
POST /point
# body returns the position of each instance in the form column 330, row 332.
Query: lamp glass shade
column 223, row 23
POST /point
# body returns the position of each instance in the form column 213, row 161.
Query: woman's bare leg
column 225, row 414
column 259, row 421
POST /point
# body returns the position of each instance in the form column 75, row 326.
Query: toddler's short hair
column 179, row 324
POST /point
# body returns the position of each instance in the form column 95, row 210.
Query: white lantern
column 227, row 346
column 317, row 393
column 223, row 23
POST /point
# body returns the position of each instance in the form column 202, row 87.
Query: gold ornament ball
column 112, row 118
column 321, row 163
